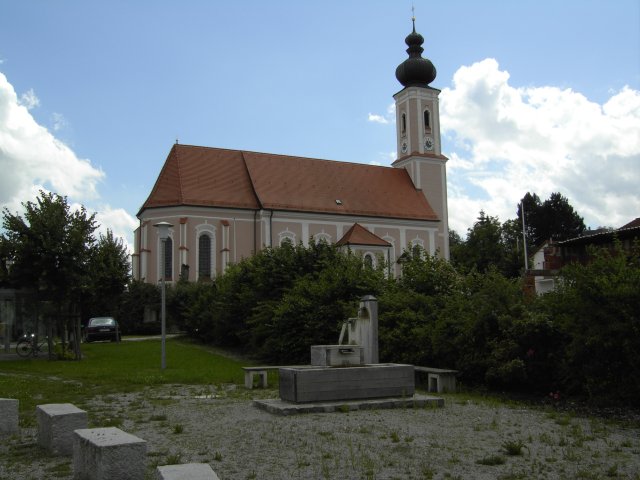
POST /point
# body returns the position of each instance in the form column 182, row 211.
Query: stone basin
column 317, row 383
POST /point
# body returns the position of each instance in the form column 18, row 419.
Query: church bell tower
column 418, row 132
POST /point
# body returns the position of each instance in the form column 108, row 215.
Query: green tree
column 408, row 308
column 483, row 246
column 138, row 298
column 597, row 310
column 51, row 247
column 311, row 312
column 553, row 219
column 472, row 330
column 109, row 275
column 512, row 264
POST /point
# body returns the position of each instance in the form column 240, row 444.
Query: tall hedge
column 583, row 339
column 597, row 310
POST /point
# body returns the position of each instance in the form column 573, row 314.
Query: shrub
column 596, row 310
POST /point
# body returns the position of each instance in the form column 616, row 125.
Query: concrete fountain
column 348, row 375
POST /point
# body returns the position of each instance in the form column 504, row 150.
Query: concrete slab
column 8, row 416
column 186, row 471
column 281, row 407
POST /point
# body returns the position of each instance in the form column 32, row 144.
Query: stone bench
column 187, row 471
column 108, row 453
column 439, row 380
column 8, row 416
column 56, row 423
column 250, row 372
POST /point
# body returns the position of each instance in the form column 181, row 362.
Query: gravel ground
column 466, row 439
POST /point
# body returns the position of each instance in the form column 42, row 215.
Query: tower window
column 404, row 124
column 427, row 120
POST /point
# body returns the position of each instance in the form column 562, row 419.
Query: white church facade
column 225, row 205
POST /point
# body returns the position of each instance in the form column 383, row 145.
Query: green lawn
column 113, row 367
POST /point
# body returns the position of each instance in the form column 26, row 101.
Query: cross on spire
column 413, row 16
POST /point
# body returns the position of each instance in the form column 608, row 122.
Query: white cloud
column 377, row 118
column 509, row 140
column 58, row 121
column 119, row 222
column 388, row 117
column 29, row 99
column 30, row 155
column 32, row 159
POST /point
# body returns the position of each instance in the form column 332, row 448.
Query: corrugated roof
column 358, row 235
column 206, row 176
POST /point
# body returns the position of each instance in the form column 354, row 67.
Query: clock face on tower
column 428, row 143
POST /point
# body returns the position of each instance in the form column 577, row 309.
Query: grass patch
column 112, row 367
column 513, row 448
column 178, row 429
column 492, row 460
column 60, row 470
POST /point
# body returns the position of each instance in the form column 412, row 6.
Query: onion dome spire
column 415, row 70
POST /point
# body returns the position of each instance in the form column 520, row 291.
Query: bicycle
column 29, row 345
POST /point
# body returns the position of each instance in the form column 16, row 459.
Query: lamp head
column 163, row 229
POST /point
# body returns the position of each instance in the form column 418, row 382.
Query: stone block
column 56, row 423
column 187, row 471
column 8, row 416
column 108, row 453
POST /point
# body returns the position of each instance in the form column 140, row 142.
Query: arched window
column 204, row 255
column 368, row 260
column 168, row 259
column 417, row 247
column 286, row 237
column 427, row 120
column 404, row 124
column 322, row 237
column 205, row 258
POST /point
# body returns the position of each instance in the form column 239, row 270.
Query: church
column 225, row 205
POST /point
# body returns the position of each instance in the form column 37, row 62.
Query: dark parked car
column 102, row 328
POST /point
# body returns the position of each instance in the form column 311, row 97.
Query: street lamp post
column 163, row 232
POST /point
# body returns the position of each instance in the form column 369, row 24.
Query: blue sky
column 538, row 96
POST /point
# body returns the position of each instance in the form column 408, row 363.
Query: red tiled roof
column 358, row 235
column 205, row 176
column 632, row 224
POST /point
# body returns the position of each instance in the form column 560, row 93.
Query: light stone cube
column 56, row 423
column 107, row 454
column 8, row 416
